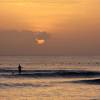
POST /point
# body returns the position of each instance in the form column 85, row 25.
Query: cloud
column 15, row 42
column 22, row 43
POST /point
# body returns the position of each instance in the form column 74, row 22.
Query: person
column 19, row 69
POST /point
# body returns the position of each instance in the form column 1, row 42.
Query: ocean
column 50, row 82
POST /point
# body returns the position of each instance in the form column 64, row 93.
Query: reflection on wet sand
column 21, row 85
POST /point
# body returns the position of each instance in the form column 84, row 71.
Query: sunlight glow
column 39, row 41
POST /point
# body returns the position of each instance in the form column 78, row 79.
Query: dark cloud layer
column 22, row 43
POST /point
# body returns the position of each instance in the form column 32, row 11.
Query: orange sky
column 73, row 24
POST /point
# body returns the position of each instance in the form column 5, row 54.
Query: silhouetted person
column 19, row 69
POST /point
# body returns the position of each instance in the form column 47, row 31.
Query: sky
column 72, row 26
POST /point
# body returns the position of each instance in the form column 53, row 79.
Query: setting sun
column 39, row 41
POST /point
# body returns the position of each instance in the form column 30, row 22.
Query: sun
column 40, row 41
column 40, row 38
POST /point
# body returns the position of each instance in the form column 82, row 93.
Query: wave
column 93, row 81
column 49, row 73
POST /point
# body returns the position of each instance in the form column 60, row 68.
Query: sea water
column 49, row 88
